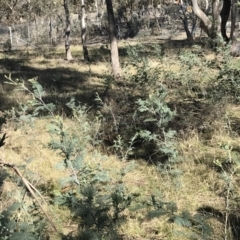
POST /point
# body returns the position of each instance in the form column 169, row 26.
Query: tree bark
column 208, row 26
column 216, row 16
column 225, row 12
column 113, row 41
column 234, row 35
column 234, row 17
column 211, row 28
column 67, row 31
column 190, row 34
column 97, row 11
column 50, row 30
column 84, row 32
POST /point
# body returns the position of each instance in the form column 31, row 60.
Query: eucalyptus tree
column 224, row 18
column 234, row 36
column 213, row 25
column 67, row 31
column 113, row 40
column 15, row 11
column 44, row 11
column 11, row 11
column 84, row 30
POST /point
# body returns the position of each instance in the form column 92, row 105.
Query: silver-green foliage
column 155, row 116
column 96, row 199
column 19, row 219
column 142, row 129
column 36, row 103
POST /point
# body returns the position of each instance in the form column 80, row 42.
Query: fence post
column 29, row 36
column 50, row 30
column 36, row 26
column 10, row 35
column 96, row 4
column 119, row 29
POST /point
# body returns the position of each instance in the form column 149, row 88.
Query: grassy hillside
column 154, row 156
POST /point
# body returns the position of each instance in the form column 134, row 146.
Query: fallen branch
column 31, row 189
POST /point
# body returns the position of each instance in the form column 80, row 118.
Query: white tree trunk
column 234, row 36
column 207, row 23
column 67, row 31
column 84, row 31
column 113, row 41
column 225, row 12
column 216, row 15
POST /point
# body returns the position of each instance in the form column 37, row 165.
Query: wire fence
column 35, row 34
column 50, row 30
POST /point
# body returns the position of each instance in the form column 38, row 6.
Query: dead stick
column 30, row 188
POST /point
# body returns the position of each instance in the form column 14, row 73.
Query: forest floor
column 206, row 124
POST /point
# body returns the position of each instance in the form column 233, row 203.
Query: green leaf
column 78, row 162
column 55, row 145
column 137, row 207
column 71, row 103
column 65, row 181
column 57, row 192
column 22, row 236
column 52, row 128
column 14, row 207
column 51, row 107
column 60, row 166
column 100, row 177
column 128, row 168
column 150, row 120
column 179, row 220
column 157, row 213
column 10, row 225
column 60, row 200
column 183, row 219
column 26, row 118
column 172, row 206
column 88, row 192
column 2, row 140
column 170, row 133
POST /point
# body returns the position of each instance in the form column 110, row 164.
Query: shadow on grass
column 100, row 51
column 196, row 115
column 60, row 83
column 233, row 220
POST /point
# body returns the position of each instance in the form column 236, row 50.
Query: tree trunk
column 184, row 10
column 50, row 30
column 101, row 13
column 212, row 28
column 67, row 31
column 208, row 26
column 216, row 16
column 225, row 12
column 113, row 41
column 97, row 11
column 234, row 36
column 234, row 17
column 185, row 24
column 206, row 5
column 84, row 32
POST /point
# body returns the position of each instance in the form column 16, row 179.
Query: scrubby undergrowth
column 155, row 156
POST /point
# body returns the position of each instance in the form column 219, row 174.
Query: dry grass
column 200, row 182
column 197, row 189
